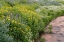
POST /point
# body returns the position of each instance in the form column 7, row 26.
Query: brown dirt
column 57, row 29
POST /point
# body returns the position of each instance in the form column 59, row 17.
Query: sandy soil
column 57, row 29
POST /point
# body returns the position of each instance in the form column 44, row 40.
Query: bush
column 4, row 37
column 32, row 19
column 17, row 29
column 24, row 23
column 49, row 13
column 2, row 3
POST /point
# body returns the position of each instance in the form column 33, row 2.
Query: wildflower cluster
column 24, row 23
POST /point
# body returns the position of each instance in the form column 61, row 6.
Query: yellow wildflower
column 8, row 19
column 19, row 23
column 13, row 20
column 23, row 31
column 28, row 10
column 14, row 27
column 26, row 29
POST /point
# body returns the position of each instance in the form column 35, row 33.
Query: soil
column 57, row 29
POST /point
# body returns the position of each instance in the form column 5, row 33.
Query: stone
column 58, row 40
column 55, row 27
column 60, row 34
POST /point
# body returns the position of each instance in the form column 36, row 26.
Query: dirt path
column 57, row 29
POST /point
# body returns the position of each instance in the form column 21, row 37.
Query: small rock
column 55, row 27
column 60, row 34
column 58, row 40
column 55, row 31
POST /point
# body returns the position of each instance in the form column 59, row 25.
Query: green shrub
column 17, row 29
column 32, row 19
column 34, row 5
column 4, row 37
column 2, row 3
column 24, row 24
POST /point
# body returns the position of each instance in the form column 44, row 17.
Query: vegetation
column 20, row 22
column 50, row 29
column 42, row 40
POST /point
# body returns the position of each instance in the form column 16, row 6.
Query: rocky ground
column 57, row 29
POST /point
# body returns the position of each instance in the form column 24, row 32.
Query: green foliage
column 48, row 2
column 22, row 20
column 42, row 39
column 24, row 1
column 51, row 12
column 35, row 5
column 3, row 4
column 60, row 1
column 50, row 29
column 4, row 37
column 17, row 29
column 21, row 23
column 32, row 19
